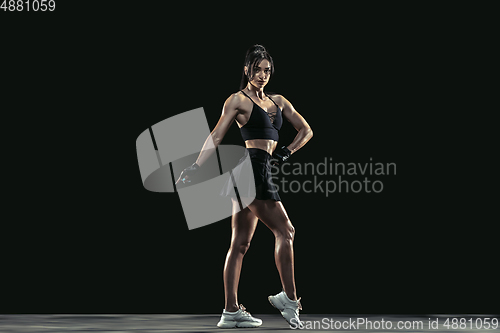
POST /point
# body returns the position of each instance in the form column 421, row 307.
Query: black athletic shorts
column 262, row 177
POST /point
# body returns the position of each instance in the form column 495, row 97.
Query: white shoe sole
column 237, row 324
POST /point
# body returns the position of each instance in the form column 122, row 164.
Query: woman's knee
column 240, row 247
column 287, row 231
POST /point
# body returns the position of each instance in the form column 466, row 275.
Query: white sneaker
column 240, row 318
column 289, row 309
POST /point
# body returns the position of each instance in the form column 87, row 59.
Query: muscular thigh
column 272, row 213
column 243, row 223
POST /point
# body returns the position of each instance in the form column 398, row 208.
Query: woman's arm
column 304, row 131
column 229, row 113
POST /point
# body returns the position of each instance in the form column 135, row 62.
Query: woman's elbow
column 309, row 132
column 215, row 137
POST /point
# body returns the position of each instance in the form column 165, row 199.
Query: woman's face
column 261, row 74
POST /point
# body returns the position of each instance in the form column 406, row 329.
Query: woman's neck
column 259, row 92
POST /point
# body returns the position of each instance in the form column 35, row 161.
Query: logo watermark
column 169, row 146
column 371, row 324
column 331, row 177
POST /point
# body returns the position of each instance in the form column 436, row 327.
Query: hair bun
column 258, row 48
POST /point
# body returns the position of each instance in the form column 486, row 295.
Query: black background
column 86, row 237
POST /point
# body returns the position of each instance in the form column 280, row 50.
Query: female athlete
column 259, row 117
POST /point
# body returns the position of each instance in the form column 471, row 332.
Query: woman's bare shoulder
column 278, row 97
column 235, row 100
column 236, row 97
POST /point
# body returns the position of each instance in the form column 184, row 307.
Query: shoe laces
column 243, row 309
column 298, row 303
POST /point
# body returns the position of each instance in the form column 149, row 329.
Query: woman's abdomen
column 264, row 144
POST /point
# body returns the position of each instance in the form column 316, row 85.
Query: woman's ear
column 246, row 70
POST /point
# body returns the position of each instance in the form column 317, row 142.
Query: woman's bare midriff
column 264, row 144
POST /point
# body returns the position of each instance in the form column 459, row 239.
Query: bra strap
column 247, row 96
column 273, row 101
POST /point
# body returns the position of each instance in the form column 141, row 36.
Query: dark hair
column 254, row 56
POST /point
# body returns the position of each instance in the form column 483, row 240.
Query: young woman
column 259, row 117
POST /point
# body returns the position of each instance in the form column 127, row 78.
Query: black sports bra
column 262, row 124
